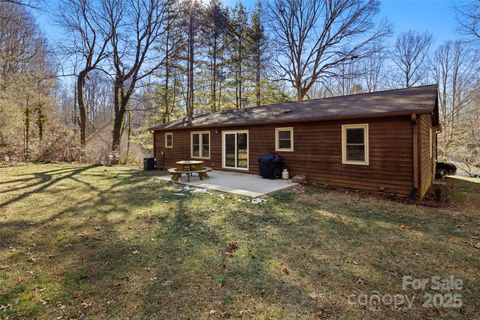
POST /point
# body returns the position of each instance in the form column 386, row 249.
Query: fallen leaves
column 315, row 295
column 232, row 246
column 166, row 283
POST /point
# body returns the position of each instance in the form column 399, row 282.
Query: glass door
column 235, row 149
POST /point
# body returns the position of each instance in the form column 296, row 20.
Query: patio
column 237, row 183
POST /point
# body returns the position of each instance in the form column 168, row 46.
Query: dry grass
column 105, row 243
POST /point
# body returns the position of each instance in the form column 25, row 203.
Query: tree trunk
column 191, row 39
column 166, row 111
column 300, row 91
column 81, row 106
column 26, row 149
column 119, row 115
column 213, row 95
column 257, row 78
column 129, row 133
column 40, row 122
column 240, row 74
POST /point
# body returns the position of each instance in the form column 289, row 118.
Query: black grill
column 270, row 165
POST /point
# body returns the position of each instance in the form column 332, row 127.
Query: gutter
column 415, row 156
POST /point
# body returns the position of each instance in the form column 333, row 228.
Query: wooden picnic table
column 191, row 164
column 189, row 167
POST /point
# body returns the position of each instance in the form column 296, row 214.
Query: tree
column 314, row 36
column 237, row 33
column 372, row 69
column 454, row 69
column 468, row 18
column 27, row 80
column 134, row 28
column 410, row 55
column 170, row 44
column 214, row 32
column 258, row 49
column 88, row 46
column 98, row 100
column 465, row 148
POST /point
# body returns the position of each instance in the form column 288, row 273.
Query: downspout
column 415, row 156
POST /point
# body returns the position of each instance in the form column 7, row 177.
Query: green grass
column 107, row 243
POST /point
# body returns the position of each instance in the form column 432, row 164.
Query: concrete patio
column 237, row 183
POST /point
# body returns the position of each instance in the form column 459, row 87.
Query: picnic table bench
column 189, row 167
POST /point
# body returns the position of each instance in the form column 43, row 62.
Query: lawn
column 116, row 243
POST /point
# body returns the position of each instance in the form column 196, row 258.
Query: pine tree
column 257, row 47
column 237, row 34
column 171, row 45
column 215, row 27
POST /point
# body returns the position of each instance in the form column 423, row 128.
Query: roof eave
column 300, row 120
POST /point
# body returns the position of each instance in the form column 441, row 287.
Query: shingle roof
column 421, row 99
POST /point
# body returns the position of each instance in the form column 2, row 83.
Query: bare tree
column 468, row 18
column 373, row 69
column 88, row 45
column 25, row 78
column 134, row 27
column 410, row 55
column 465, row 148
column 315, row 36
column 25, row 3
column 454, row 68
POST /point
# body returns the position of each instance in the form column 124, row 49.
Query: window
column 355, row 144
column 168, row 140
column 201, row 144
column 284, row 139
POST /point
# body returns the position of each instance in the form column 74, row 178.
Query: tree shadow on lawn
column 43, row 180
column 135, row 249
column 79, row 254
column 387, row 246
column 200, row 273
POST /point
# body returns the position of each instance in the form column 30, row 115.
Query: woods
column 144, row 62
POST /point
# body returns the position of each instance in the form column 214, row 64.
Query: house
column 382, row 142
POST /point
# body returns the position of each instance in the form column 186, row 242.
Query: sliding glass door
column 235, row 149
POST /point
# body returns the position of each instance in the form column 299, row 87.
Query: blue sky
column 434, row 16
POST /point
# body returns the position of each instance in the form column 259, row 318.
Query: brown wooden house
column 382, row 142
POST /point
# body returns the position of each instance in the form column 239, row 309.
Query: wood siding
column 426, row 153
column 317, row 152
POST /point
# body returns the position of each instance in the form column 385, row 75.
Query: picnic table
column 189, row 167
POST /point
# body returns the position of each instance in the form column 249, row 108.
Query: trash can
column 148, row 163
column 270, row 165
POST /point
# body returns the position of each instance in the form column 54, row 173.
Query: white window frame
column 277, row 142
column 224, row 133
column 345, row 127
column 166, row 144
column 200, row 144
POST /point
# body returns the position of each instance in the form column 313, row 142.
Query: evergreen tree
column 238, row 45
column 257, row 47
column 214, row 31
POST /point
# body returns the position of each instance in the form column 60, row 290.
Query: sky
column 434, row 16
